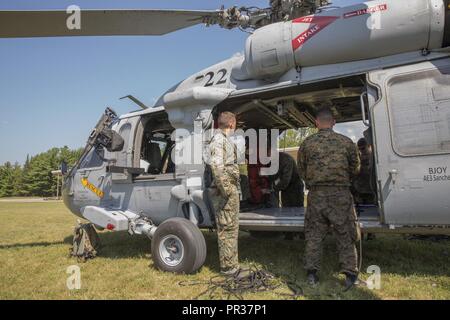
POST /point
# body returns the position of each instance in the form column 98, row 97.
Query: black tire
column 187, row 242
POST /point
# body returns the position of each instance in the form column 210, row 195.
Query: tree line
column 294, row 138
column 34, row 177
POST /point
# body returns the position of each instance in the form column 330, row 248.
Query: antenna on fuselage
column 135, row 100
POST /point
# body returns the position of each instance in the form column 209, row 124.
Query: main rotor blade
column 98, row 22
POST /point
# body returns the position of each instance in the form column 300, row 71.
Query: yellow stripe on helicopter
column 91, row 187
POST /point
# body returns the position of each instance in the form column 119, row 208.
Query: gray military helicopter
column 383, row 62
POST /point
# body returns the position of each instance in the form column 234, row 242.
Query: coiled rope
column 249, row 280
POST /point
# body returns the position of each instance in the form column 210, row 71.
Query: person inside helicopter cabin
column 287, row 185
column 259, row 185
column 286, row 181
column 362, row 184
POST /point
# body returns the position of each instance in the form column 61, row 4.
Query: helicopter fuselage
column 395, row 80
column 308, row 62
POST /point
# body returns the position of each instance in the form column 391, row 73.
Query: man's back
column 328, row 159
column 328, row 162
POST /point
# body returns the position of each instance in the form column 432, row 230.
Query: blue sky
column 53, row 90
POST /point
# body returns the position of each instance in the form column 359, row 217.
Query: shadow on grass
column 31, row 244
column 283, row 258
column 113, row 245
column 120, row 245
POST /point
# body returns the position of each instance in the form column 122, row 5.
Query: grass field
column 35, row 239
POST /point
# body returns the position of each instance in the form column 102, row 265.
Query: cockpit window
column 154, row 145
column 155, row 154
column 94, row 159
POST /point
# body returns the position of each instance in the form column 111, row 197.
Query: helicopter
column 383, row 62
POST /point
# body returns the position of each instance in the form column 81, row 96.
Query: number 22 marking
column 211, row 75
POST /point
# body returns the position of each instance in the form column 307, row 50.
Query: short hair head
column 362, row 143
column 325, row 119
column 225, row 119
column 325, row 115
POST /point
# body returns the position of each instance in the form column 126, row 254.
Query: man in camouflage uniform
column 328, row 162
column 224, row 192
column 363, row 182
column 288, row 182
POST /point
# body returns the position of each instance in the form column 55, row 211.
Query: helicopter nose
column 66, row 185
column 68, row 196
column 65, row 190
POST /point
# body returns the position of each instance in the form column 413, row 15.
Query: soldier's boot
column 243, row 274
column 312, row 278
column 351, row 280
column 229, row 272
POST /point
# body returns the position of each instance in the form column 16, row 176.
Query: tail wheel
column 178, row 246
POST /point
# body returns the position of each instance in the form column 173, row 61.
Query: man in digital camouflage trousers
column 224, row 192
column 328, row 162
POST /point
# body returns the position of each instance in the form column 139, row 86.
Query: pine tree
column 25, row 192
column 6, row 180
column 17, row 180
column 39, row 179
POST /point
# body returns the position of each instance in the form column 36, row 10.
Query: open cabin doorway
column 291, row 110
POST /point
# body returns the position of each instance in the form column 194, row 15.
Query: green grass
column 35, row 239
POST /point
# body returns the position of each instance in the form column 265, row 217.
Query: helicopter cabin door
column 409, row 112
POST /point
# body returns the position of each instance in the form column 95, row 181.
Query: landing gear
column 178, row 246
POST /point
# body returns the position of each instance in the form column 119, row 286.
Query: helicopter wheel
column 178, row 246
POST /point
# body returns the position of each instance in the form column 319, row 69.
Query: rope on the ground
column 254, row 280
